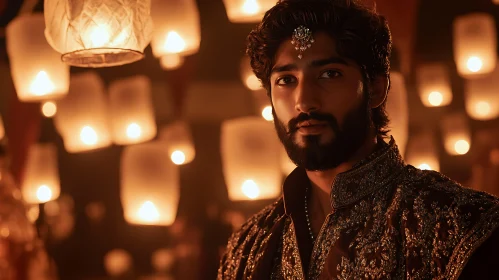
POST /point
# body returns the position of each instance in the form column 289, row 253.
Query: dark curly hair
column 360, row 34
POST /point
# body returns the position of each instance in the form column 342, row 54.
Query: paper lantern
column 481, row 96
column 475, row 44
column 82, row 118
column 96, row 33
column 149, row 185
column 176, row 30
column 397, row 108
column 245, row 11
column 37, row 70
column 178, row 140
column 248, row 77
column 251, row 159
column 131, row 110
column 434, row 85
column 456, row 134
column 422, row 152
column 41, row 176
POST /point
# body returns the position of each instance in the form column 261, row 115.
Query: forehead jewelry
column 302, row 39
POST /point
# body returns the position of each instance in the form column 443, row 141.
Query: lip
column 312, row 129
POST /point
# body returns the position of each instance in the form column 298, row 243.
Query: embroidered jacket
column 389, row 221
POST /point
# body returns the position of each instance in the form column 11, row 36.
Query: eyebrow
column 315, row 63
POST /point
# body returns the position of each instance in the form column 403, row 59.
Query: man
column 352, row 209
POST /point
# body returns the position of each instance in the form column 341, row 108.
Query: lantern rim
column 101, row 57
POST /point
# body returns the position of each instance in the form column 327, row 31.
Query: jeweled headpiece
column 302, row 39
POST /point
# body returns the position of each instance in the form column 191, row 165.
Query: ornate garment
column 389, row 221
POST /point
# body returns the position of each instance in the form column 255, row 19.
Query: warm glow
column 482, row 108
column 250, row 7
column 461, row 147
column 42, row 84
column 133, row 131
column 49, row 109
column 424, row 166
column 44, row 193
column 474, row 64
column 267, row 113
column 253, row 83
column 99, row 36
column 88, row 136
column 174, row 43
column 171, row 61
column 178, row 157
column 250, row 189
column 117, row 262
column 435, row 98
column 148, row 212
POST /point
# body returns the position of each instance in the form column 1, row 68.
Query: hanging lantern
column 422, row 152
column 96, row 33
column 176, row 31
column 41, row 178
column 398, row 111
column 149, row 185
column 82, row 119
column 251, row 159
column 434, row 85
column 178, row 139
column 475, row 44
column 481, row 97
column 456, row 134
column 245, row 11
column 249, row 78
column 37, row 70
column 131, row 110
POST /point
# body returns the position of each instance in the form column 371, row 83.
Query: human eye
column 282, row 81
column 328, row 74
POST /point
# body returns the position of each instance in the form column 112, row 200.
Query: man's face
column 320, row 104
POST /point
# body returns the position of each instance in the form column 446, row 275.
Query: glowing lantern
column 434, row 85
column 456, row 134
column 131, row 110
column 41, row 177
column 178, row 139
column 244, row 11
column 251, row 159
column 37, row 70
column 149, row 185
column 481, row 97
column 176, row 30
column 81, row 118
column 398, row 111
column 475, row 44
column 96, row 33
column 422, row 152
column 248, row 77
column 2, row 129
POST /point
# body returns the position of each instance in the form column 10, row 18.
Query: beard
column 315, row 155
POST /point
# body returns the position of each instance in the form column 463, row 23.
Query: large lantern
column 481, row 96
column 398, row 111
column 244, row 11
column 37, row 70
column 96, row 33
column 456, row 134
column 422, row 152
column 178, row 139
column 41, row 178
column 251, row 159
column 475, row 44
column 434, row 85
column 150, row 188
column 131, row 110
column 82, row 118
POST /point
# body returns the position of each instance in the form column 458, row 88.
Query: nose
column 307, row 99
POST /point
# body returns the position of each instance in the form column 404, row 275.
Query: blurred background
column 138, row 154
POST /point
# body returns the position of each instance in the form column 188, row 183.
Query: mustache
column 330, row 119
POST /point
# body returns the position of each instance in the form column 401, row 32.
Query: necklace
column 307, row 216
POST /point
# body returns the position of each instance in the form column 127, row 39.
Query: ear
column 379, row 90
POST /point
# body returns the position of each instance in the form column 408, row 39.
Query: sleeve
column 484, row 263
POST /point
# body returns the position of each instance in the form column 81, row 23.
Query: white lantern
column 150, row 188
column 176, row 30
column 434, row 85
column 245, row 11
column 475, row 44
column 37, row 70
column 456, row 134
column 248, row 77
column 178, row 139
column 422, row 152
column 481, row 96
column 97, row 33
column 41, row 178
column 82, row 119
column 251, row 159
column 398, row 111
column 131, row 110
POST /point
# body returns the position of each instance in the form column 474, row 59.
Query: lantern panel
column 178, row 140
column 481, row 97
column 434, row 85
column 247, row 11
column 422, row 152
column 456, row 134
